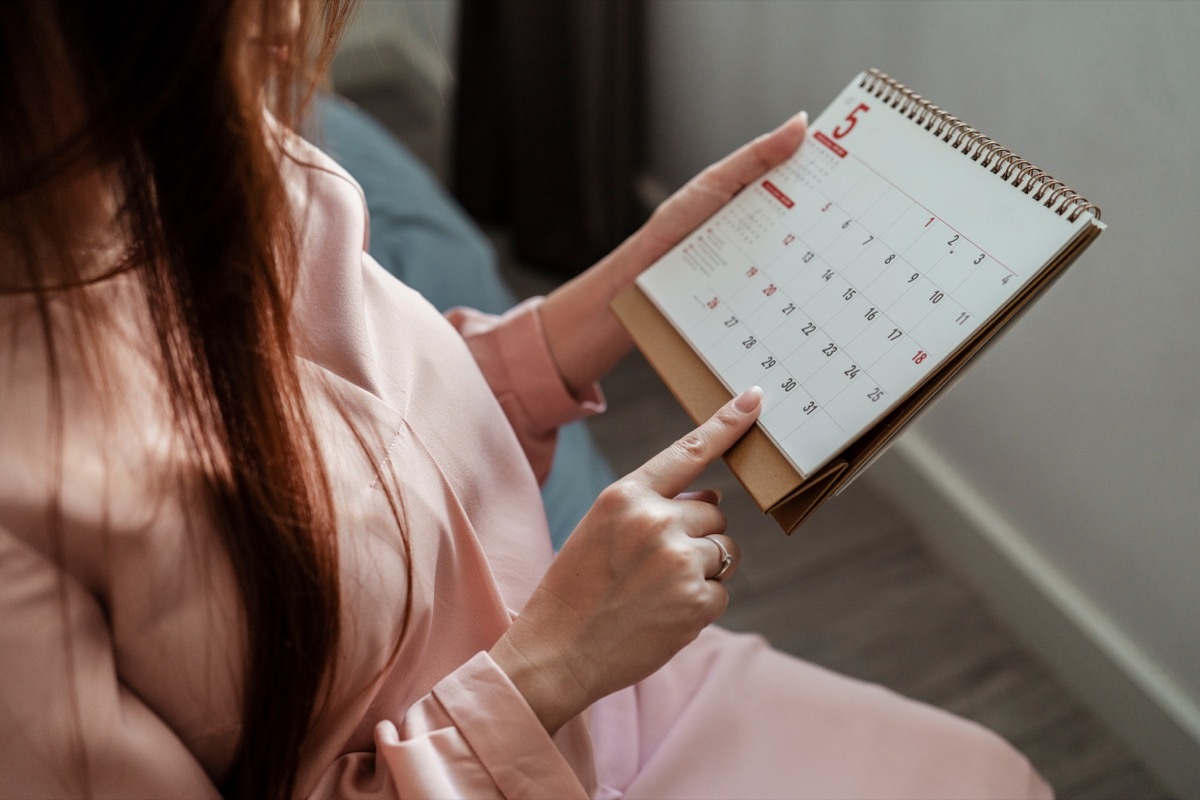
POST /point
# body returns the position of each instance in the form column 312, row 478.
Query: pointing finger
column 674, row 469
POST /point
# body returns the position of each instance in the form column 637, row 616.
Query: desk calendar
column 852, row 283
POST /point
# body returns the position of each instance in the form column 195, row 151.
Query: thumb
column 674, row 469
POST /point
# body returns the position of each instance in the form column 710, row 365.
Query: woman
column 267, row 519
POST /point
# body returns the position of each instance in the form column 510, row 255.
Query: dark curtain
column 548, row 124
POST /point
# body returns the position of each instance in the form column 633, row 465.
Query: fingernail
column 717, row 492
column 749, row 399
column 802, row 116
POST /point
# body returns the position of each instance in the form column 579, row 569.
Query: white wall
column 1075, row 444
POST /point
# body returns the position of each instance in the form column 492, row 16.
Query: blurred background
column 1027, row 555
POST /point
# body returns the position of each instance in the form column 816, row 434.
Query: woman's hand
column 634, row 583
column 585, row 338
column 703, row 195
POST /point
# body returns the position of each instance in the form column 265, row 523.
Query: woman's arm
column 69, row 725
column 634, row 583
column 585, row 338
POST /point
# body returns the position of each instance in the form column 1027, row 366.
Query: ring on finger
column 726, row 559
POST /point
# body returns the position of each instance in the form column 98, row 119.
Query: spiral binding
column 1016, row 170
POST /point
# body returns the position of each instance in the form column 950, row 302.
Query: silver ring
column 726, row 559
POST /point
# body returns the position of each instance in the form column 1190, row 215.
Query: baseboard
column 1118, row 681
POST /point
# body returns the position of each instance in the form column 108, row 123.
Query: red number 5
column 851, row 121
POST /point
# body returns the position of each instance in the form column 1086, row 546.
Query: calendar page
column 848, row 274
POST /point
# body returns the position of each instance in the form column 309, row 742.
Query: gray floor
column 855, row 589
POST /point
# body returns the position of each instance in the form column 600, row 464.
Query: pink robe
column 119, row 656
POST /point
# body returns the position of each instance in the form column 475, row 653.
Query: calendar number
column 846, row 224
column 850, row 121
column 729, row 323
column 979, row 260
column 770, row 290
column 869, row 240
column 849, row 294
column 809, row 328
column 852, row 373
column 871, row 314
column 828, row 275
column 920, row 356
column 788, row 309
column 874, row 396
column 768, row 362
column 829, row 349
column 749, row 342
column 936, row 297
column 913, row 277
column 750, row 273
column 809, row 256
column 952, row 241
column 890, row 259
column 788, row 385
column 809, row 408
column 713, row 303
column 963, row 317
column 895, row 334
column 788, row 239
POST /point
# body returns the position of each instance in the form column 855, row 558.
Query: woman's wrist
column 584, row 336
column 542, row 675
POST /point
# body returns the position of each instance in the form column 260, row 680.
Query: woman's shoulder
column 318, row 184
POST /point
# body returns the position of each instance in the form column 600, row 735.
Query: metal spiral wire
column 987, row 152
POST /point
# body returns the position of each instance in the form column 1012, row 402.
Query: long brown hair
column 165, row 99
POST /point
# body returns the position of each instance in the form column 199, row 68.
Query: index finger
column 674, row 469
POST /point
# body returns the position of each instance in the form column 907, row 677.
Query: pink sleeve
column 472, row 736
column 69, row 727
column 512, row 352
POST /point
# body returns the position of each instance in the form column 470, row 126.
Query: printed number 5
column 851, row 121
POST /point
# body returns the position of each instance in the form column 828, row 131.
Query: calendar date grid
column 932, row 217
column 769, row 351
